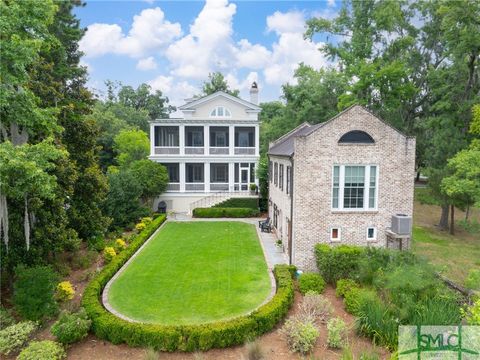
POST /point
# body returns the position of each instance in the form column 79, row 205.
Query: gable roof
column 193, row 104
column 285, row 145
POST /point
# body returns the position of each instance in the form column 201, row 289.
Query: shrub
column 43, row 350
column 338, row 262
column 472, row 313
column 150, row 354
column 13, row 337
column 97, row 243
column 71, row 328
column 473, row 279
column 255, row 351
column 34, row 291
column 147, row 221
column 85, row 261
column 337, row 333
column 6, row 319
column 355, row 296
column 225, row 212
column 140, row 226
column 120, row 245
column 311, row 282
column 345, row 285
column 316, row 307
column 108, row 254
column 221, row 334
column 301, row 334
column 436, row 311
column 251, row 203
column 65, row 291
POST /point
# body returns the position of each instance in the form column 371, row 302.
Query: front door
column 244, row 177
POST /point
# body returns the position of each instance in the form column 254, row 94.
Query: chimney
column 254, row 93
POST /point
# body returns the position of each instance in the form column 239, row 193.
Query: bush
column 301, row 334
column 355, row 297
column 316, row 307
column 216, row 212
column 34, row 291
column 472, row 313
column 71, row 328
column 436, row 311
column 337, row 333
column 108, row 254
column 345, row 285
column 255, row 351
column 221, row 334
column 13, row 337
column 97, row 243
column 251, row 203
column 85, row 261
column 473, row 279
column 43, row 350
column 6, row 319
column 335, row 263
column 311, row 282
column 120, row 245
column 140, row 226
column 146, row 220
column 65, row 291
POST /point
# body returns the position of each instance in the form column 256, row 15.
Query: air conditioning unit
column 401, row 224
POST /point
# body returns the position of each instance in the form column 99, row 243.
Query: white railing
column 194, row 150
column 194, row 187
column 173, row 187
column 167, row 150
column 245, row 150
column 218, row 186
column 215, row 150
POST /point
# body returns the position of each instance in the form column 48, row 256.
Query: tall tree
column 216, row 82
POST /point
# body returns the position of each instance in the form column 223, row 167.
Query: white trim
column 194, row 103
column 339, row 238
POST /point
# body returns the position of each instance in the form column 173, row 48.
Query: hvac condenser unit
column 401, row 224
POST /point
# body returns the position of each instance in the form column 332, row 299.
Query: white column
column 257, row 140
column 152, row 139
column 182, row 176
column 231, row 175
column 181, row 140
column 232, row 140
column 206, row 139
column 206, row 176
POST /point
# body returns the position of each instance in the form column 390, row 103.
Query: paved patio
column 267, row 240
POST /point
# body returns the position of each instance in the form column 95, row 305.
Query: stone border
column 110, row 308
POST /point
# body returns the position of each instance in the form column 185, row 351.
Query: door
column 244, row 177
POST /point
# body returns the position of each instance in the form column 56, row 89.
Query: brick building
column 340, row 182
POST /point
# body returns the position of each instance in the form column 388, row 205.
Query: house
column 340, row 182
column 213, row 149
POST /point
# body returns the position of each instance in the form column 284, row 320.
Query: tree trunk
column 443, row 225
column 467, row 213
column 452, row 220
column 418, row 177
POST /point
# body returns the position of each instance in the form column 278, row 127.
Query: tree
column 216, row 82
column 152, row 177
column 131, row 145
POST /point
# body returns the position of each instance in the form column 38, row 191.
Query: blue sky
column 173, row 45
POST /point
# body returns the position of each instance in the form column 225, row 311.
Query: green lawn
column 194, row 272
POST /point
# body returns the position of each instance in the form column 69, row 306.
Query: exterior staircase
column 217, row 198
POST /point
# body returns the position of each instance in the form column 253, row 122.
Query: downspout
column 290, row 248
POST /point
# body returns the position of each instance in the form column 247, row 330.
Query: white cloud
column 251, row 56
column 289, row 22
column 146, row 64
column 150, row 31
column 331, row 3
column 176, row 91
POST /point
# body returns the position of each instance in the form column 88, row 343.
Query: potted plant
column 279, row 245
column 253, row 189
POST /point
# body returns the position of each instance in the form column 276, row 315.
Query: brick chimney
column 254, row 93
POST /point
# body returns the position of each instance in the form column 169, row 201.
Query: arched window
column 220, row 111
column 356, row 137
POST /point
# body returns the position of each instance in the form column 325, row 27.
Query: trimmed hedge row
column 182, row 337
column 251, row 203
column 217, row 212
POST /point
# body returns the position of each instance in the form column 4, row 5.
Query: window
column 252, row 173
column 244, row 137
column 335, row 234
column 219, row 173
column 220, row 111
column 371, row 233
column 194, row 135
column 289, row 175
column 354, row 187
column 275, row 173
column 356, row 137
column 275, row 215
column 166, row 136
column 270, row 172
column 280, row 178
column 194, row 173
column 173, row 172
column 219, row 136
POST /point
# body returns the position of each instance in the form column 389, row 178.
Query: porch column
column 181, row 139
column 206, row 139
column 231, row 176
column 257, row 140
column 231, row 140
column 182, row 176
column 152, row 139
column 206, row 176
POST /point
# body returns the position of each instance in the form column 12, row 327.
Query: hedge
column 216, row 212
column 338, row 262
column 220, row 334
column 251, row 203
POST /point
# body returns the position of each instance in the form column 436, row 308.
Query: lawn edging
column 219, row 334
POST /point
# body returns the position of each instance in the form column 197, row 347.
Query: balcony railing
column 194, row 187
column 245, row 150
column 218, row 186
column 167, row 150
column 173, row 187
column 219, row 150
column 194, row 150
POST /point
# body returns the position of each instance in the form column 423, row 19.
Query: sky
column 174, row 45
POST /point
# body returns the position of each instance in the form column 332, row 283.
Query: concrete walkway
column 267, row 240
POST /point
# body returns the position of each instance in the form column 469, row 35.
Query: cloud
column 251, row 56
column 150, row 31
column 331, row 3
column 146, row 64
column 176, row 91
column 289, row 22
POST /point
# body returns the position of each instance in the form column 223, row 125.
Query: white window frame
column 366, row 194
column 339, row 238
column 374, row 238
column 226, row 112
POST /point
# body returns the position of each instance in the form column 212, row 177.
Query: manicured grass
column 194, row 272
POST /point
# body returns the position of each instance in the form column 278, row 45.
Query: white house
column 212, row 149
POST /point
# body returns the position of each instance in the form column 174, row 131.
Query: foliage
column 216, row 82
column 43, row 350
column 426, row 197
column 152, row 177
column 13, row 337
column 140, row 226
column 34, row 291
column 436, row 310
column 335, row 263
column 109, row 253
column 473, row 279
column 355, row 297
column 251, row 203
column 343, row 286
column 301, row 334
column 6, row 318
column 65, row 291
column 472, row 313
column 131, row 145
column 311, row 282
column 150, row 354
column 120, row 245
column 336, row 333
column 217, row 212
column 147, row 220
column 71, row 327
column 316, row 307
column 255, row 351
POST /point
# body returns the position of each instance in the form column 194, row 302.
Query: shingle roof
column 285, row 146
